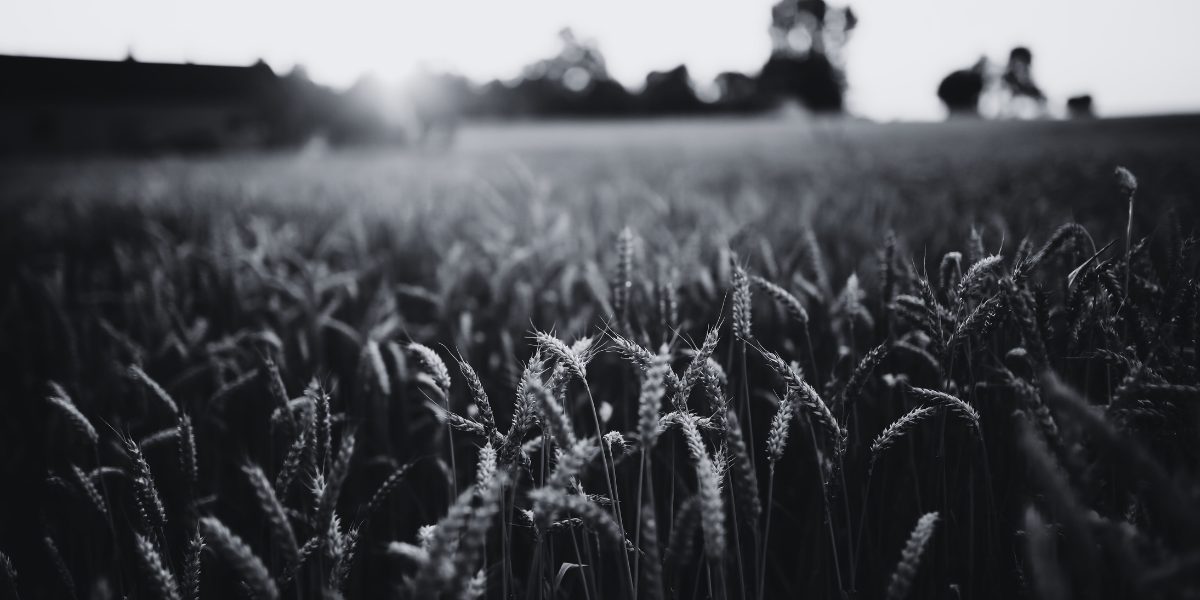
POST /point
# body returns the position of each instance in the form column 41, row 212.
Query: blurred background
column 140, row 76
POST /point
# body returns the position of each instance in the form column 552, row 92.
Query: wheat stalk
column 809, row 399
column 9, row 575
column 696, row 368
column 652, row 579
column 480, row 398
column 188, row 461
column 952, row 402
column 975, row 274
column 191, row 567
column 342, row 547
column 554, row 418
column 575, row 362
column 158, row 578
column 433, row 362
column 712, row 517
column 277, row 389
column 548, row 501
column 322, row 425
column 910, row 557
column 865, row 368
column 896, row 430
column 790, row 303
column 650, row 400
column 137, row 374
column 294, row 457
column 238, row 554
column 338, row 471
column 385, row 489
column 89, row 490
column 150, row 505
column 278, row 526
column 777, row 435
column 978, row 323
column 741, row 301
column 59, row 399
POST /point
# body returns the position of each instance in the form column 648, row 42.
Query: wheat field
column 640, row 360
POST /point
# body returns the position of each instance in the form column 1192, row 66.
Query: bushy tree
column 669, row 92
column 960, row 90
column 807, row 61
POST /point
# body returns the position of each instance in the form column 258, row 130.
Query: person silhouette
column 1024, row 98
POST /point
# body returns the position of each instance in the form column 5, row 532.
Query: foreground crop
column 260, row 412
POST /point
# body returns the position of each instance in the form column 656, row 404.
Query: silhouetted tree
column 577, row 65
column 737, row 92
column 607, row 97
column 960, row 90
column 573, row 82
column 807, row 61
column 812, row 80
column 669, row 92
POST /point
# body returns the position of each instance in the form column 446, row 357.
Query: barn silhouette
column 65, row 105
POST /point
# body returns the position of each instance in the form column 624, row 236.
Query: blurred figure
column 1024, row 99
column 1080, row 107
column 960, row 90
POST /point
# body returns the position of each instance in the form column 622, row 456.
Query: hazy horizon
column 1132, row 59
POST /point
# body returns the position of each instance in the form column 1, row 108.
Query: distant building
column 54, row 105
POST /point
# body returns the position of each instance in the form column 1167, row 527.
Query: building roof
column 41, row 81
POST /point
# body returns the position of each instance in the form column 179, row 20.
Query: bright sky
column 1134, row 56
